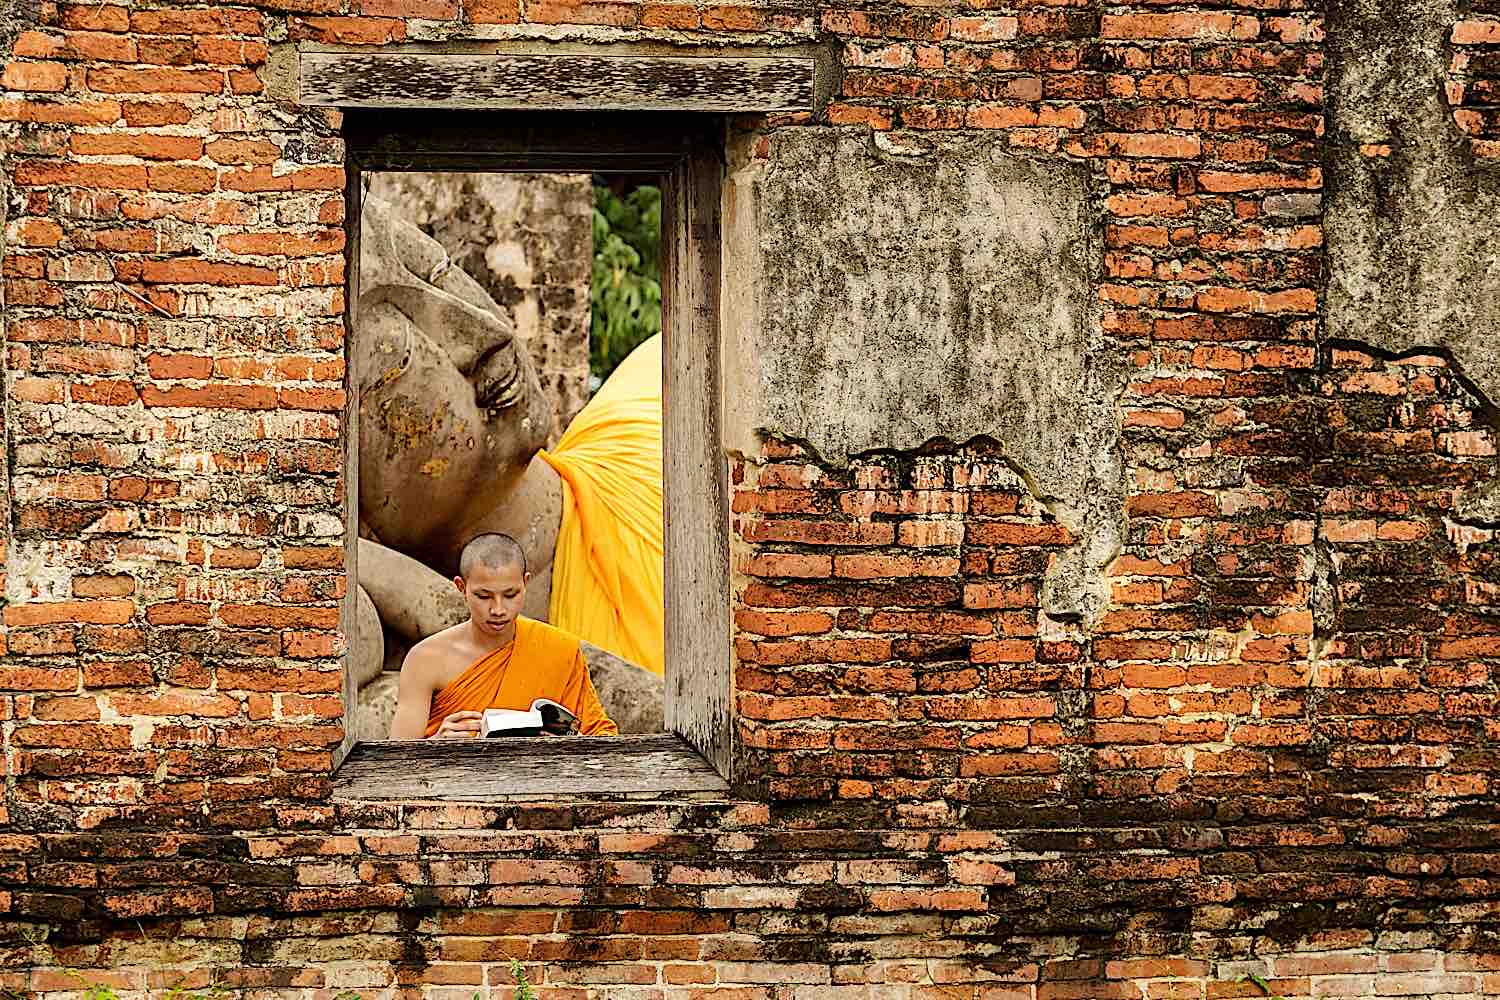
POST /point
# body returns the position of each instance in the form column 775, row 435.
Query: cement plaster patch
column 1411, row 236
column 886, row 292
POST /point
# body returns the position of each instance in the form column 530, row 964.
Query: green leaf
column 1260, row 981
column 625, row 290
column 524, row 990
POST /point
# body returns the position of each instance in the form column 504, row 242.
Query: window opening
column 494, row 309
column 508, row 351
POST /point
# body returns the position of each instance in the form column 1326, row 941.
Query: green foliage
column 523, row 987
column 1260, row 981
column 216, row 991
column 94, row 991
column 625, row 290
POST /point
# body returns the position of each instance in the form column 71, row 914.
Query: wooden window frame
column 694, row 756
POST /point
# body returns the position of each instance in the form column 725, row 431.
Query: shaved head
column 493, row 550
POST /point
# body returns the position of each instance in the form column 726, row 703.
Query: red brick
column 37, row 232
column 140, row 114
column 197, row 21
column 1476, row 32
column 601, row 12
column 174, row 366
column 188, row 271
column 97, row 736
column 37, row 45
column 770, row 623
column 1187, row 24
column 269, row 616
column 504, row 12
column 866, row 567
column 178, row 613
column 300, row 557
column 311, row 645
column 1186, row 504
column 1233, row 181
column 103, row 393
column 116, row 673
column 757, row 706
column 943, row 900
column 102, row 612
column 99, row 46
column 933, row 623
column 34, row 76
column 156, row 80
column 1003, row 651
column 202, row 705
column 820, row 651
column 181, row 178
column 251, row 151
column 311, row 399
column 19, row 678
column 1000, row 595
column 1145, row 144
column 980, row 533
column 229, row 51
column 38, row 173
column 103, row 585
column 144, row 145
column 968, row 708
column 349, row 30
column 821, row 532
column 236, row 397
column 41, row 641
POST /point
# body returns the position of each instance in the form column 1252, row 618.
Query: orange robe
column 542, row 662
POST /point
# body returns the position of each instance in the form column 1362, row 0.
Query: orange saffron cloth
column 607, row 573
column 542, row 662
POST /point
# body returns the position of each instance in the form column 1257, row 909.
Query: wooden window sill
column 526, row 768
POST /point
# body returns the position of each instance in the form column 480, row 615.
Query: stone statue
column 451, row 418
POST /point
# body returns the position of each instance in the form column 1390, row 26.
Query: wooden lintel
column 560, row 82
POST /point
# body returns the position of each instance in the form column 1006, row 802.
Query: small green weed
column 94, row 991
column 216, row 991
column 1260, row 981
column 523, row 987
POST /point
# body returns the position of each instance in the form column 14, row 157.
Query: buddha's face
column 450, row 407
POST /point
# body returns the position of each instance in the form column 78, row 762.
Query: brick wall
column 1270, row 756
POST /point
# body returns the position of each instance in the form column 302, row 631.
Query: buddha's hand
column 459, row 725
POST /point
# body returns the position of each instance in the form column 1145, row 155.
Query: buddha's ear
column 525, row 578
column 458, row 582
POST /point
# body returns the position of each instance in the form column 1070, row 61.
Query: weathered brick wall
column 1269, row 755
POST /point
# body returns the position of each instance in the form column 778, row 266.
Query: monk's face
column 451, row 409
column 494, row 595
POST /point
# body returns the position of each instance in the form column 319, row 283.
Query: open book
column 544, row 713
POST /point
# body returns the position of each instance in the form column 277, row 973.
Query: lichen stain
column 434, row 467
column 409, row 425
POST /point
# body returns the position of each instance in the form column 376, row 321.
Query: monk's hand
column 459, row 725
column 560, row 727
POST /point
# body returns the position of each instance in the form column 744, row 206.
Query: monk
column 496, row 659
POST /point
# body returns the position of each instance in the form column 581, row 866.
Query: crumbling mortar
column 1075, row 589
column 1403, row 230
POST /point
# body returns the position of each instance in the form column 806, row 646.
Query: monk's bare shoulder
column 432, row 656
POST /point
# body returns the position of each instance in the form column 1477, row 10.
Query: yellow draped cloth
column 541, row 662
column 607, row 573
